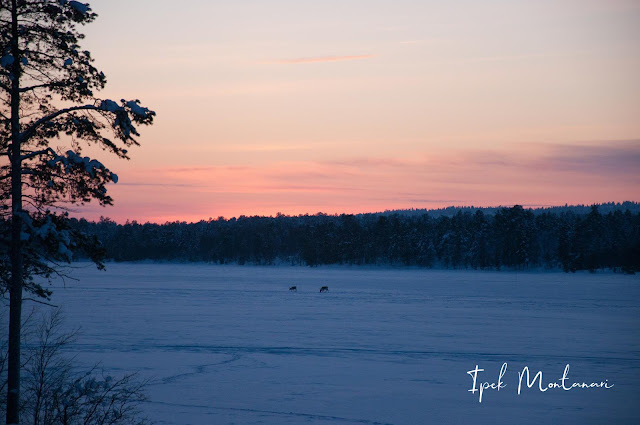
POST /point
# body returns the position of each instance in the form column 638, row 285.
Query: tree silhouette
column 48, row 112
column 503, row 238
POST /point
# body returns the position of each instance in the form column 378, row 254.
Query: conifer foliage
column 562, row 238
column 49, row 113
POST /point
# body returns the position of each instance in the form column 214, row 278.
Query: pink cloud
column 539, row 174
column 321, row 59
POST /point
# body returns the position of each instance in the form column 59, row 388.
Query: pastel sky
column 301, row 106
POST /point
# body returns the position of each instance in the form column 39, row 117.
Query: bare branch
column 36, row 153
column 40, row 302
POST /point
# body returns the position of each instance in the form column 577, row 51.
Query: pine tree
column 49, row 112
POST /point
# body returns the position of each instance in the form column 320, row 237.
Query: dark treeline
column 506, row 238
column 604, row 208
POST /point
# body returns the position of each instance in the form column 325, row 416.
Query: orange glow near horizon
column 555, row 175
column 350, row 107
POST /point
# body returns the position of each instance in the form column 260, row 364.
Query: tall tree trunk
column 15, row 298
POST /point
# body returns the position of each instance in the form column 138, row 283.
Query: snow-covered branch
column 31, row 130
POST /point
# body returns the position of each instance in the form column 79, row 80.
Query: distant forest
column 603, row 236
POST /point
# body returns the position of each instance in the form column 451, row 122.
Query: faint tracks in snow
column 239, row 351
column 301, row 415
column 197, row 370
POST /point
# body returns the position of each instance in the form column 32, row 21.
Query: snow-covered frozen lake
column 231, row 344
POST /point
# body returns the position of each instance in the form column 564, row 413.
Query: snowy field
column 230, row 344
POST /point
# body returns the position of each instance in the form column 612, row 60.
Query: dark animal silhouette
column 294, row 288
column 324, row 289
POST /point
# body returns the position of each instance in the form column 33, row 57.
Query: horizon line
column 318, row 213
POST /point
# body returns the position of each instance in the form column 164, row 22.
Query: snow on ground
column 231, row 344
